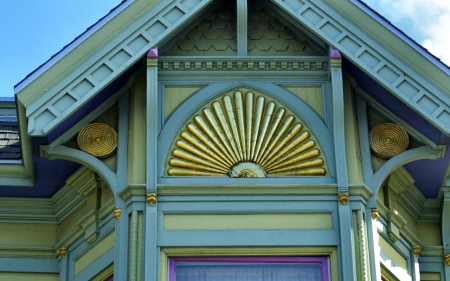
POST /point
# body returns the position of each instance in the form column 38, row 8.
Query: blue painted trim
column 199, row 99
column 364, row 143
column 423, row 152
column 78, row 156
column 121, row 243
column 29, row 265
column 432, row 264
column 151, row 242
column 241, row 27
column 372, row 255
column 152, row 119
column 122, row 142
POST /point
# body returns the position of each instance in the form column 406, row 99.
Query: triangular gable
column 162, row 22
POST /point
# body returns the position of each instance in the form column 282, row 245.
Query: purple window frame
column 323, row 261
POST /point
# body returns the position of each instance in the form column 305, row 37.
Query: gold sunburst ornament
column 98, row 139
column 245, row 136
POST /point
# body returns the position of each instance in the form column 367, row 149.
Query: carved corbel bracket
column 395, row 223
column 90, row 226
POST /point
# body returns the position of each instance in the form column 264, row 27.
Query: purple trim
column 152, row 53
column 323, row 261
column 335, row 54
column 110, row 278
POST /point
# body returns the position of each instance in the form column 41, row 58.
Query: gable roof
column 339, row 23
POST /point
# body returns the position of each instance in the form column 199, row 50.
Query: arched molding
column 423, row 152
column 78, row 156
column 198, row 100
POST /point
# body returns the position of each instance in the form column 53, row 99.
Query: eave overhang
column 404, row 78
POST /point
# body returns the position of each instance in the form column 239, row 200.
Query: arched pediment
column 245, row 131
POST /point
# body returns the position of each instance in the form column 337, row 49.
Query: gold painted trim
column 245, row 135
column 447, row 259
column 151, row 198
column 62, row 251
column 98, row 139
column 343, row 198
column 375, row 214
column 117, row 213
column 388, row 140
column 416, row 250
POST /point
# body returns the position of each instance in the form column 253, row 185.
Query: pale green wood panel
column 392, row 259
column 36, row 235
column 249, row 221
column 94, row 253
column 9, row 276
column 430, row 276
column 310, row 95
column 174, row 96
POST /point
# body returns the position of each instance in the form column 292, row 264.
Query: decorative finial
column 152, row 53
column 62, row 251
column 117, row 213
column 151, row 198
column 416, row 250
column 375, row 214
column 343, row 197
column 336, row 58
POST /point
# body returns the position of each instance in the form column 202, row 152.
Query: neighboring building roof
column 9, row 139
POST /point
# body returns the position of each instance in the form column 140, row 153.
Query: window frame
column 322, row 260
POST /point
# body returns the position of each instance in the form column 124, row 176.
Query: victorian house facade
column 227, row 140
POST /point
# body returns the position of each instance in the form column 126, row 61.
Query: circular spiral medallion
column 97, row 139
column 388, row 140
column 244, row 135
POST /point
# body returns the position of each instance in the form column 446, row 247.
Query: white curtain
column 248, row 272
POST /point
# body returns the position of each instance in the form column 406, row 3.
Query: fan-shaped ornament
column 388, row 140
column 245, row 136
column 97, row 139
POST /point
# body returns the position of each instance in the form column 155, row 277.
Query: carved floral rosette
column 244, row 135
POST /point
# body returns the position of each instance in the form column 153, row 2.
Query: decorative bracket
column 151, row 198
column 343, row 197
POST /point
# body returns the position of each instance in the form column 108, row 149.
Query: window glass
column 248, row 269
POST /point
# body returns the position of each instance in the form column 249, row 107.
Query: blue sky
column 31, row 31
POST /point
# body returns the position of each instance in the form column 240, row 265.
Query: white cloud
column 429, row 19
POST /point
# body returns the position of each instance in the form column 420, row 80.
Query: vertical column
column 121, row 243
column 445, row 224
column 372, row 240
column 151, row 251
column 121, row 228
column 133, row 246
column 416, row 250
column 241, row 30
column 348, row 269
